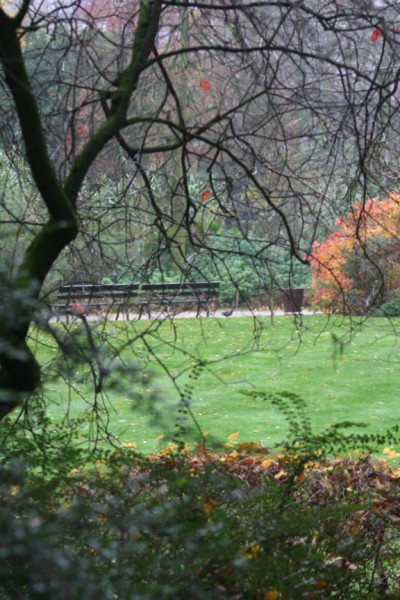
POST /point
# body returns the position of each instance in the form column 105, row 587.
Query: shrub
column 391, row 308
column 357, row 268
column 247, row 268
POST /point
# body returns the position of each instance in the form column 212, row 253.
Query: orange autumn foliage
column 358, row 266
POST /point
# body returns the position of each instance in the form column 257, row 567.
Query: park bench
column 139, row 297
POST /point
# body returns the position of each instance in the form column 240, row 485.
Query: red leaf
column 204, row 85
column 78, row 309
column 80, row 131
column 205, row 196
column 376, row 34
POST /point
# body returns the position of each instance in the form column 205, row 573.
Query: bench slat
column 141, row 295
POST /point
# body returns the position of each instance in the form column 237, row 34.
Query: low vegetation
column 243, row 523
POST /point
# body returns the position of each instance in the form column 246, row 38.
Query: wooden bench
column 124, row 297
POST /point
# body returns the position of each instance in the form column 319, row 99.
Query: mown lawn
column 343, row 371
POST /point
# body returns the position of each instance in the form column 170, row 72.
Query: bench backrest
column 79, row 291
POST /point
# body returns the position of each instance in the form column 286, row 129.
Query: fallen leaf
column 128, row 445
column 247, row 461
column 248, row 446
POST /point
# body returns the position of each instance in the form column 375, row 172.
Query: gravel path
column 123, row 316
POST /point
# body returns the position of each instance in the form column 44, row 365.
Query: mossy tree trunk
column 20, row 373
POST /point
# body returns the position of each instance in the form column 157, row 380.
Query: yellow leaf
column 209, row 505
column 354, row 530
column 280, row 475
column 232, row 457
column 168, row 450
column 14, row 490
column 252, row 552
column 390, row 453
column 271, row 595
column 128, row 445
column 321, row 584
column 248, row 446
column 267, row 463
column 233, row 436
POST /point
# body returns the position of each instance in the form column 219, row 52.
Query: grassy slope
column 358, row 384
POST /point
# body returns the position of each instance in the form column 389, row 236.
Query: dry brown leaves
column 317, row 481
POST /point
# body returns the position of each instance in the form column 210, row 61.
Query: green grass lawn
column 342, row 371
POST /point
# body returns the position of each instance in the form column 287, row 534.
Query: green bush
column 391, row 308
column 246, row 268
